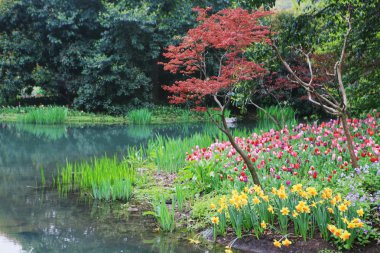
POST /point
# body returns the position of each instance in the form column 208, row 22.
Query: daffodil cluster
column 305, row 208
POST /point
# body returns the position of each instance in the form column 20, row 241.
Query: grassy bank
column 45, row 115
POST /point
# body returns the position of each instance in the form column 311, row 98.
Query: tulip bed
column 309, row 188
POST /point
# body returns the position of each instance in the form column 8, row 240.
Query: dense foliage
column 101, row 55
column 95, row 55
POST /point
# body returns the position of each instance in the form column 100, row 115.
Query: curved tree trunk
column 245, row 157
column 226, row 131
column 350, row 145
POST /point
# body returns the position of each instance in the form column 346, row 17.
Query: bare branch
column 290, row 70
column 338, row 66
column 216, row 123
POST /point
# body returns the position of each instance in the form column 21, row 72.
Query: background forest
column 102, row 55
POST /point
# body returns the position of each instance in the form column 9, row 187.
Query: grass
column 163, row 215
column 168, row 113
column 103, row 178
column 180, row 196
column 140, row 116
column 169, row 153
column 159, row 115
column 45, row 115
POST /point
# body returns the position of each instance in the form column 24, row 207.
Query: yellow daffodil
column 330, row 210
column 347, row 202
column 345, row 235
column 331, row 228
column 256, row 200
column 295, row 214
column 282, row 194
column 360, row 212
column 270, row 209
column 342, row 207
column 277, row 243
column 263, row 225
column 327, row 193
column 302, row 207
column 228, row 249
column 338, row 198
column 212, row 206
column 285, row 211
column 338, row 232
column 265, row 198
column 296, row 188
column 215, row 220
column 286, row 242
column 303, row 194
column 312, row 191
column 258, row 189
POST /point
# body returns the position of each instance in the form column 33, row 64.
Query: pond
column 39, row 221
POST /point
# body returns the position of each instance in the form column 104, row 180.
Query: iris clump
column 102, row 178
column 162, row 213
column 169, row 153
column 284, row 115
column 140, row 116
column 45, row 115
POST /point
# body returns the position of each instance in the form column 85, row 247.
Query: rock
column 207, row 234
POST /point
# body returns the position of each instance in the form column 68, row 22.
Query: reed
column 140, row 116
column 163, row 215
column 102, row 178
column 284, row 115
column 169, row 153
column 180, row 196
column 45, row 115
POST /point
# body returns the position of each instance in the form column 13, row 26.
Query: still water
column 36, row 220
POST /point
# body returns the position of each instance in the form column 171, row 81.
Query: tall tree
column 332, row 99
column 211, row 60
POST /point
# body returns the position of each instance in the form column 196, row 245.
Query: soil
column 165, row 179
column 265, row 245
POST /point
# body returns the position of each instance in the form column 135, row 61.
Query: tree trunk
column 350, row 145
column 245, row 157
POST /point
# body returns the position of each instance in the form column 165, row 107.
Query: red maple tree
column 211, row 60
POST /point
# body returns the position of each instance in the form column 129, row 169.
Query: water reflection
column 42, row 222
column 10, row 246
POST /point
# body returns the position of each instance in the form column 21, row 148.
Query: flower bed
column 309, row 186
